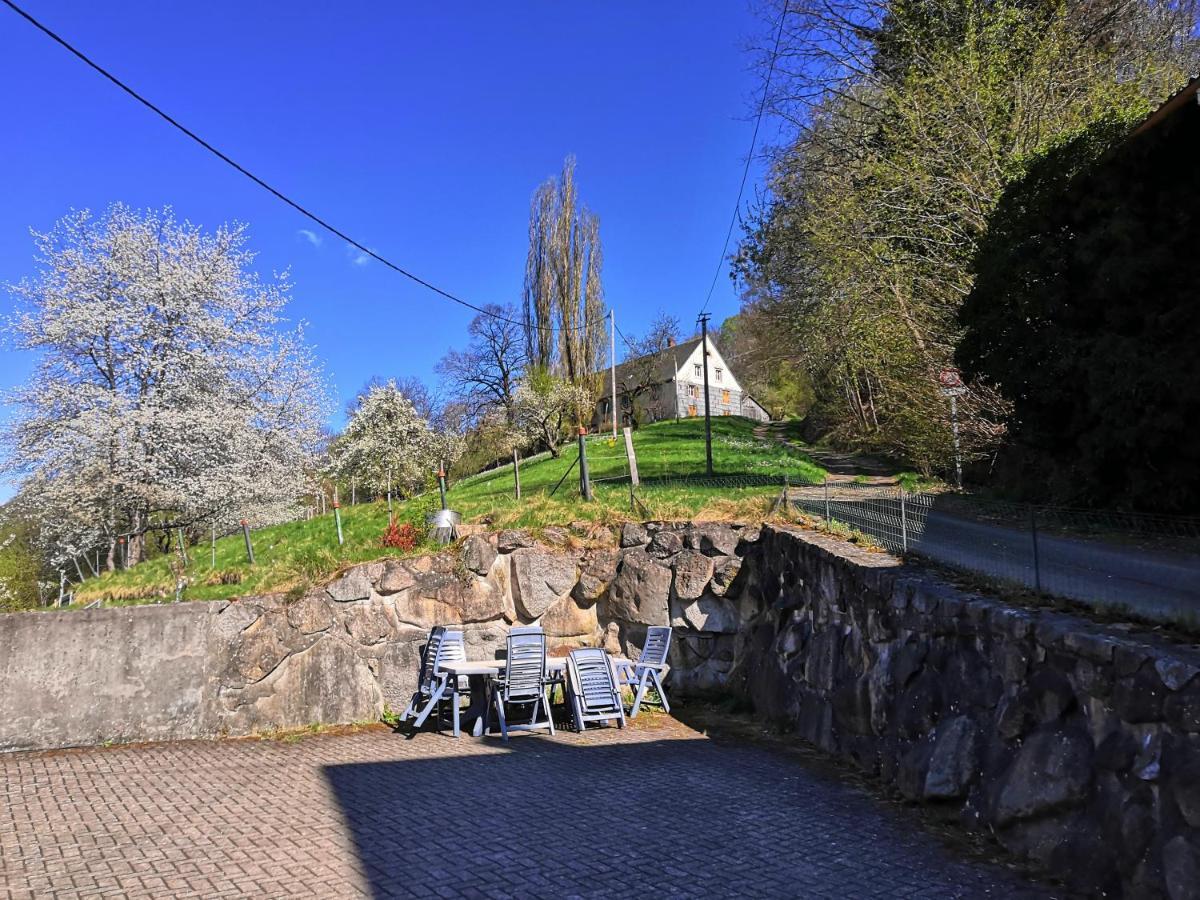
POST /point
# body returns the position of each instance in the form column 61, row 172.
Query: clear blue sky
column 421, row 129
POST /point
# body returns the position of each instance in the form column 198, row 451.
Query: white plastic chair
column 595, row 695
column 433, row 685
column 522, row 684
column 649, row 670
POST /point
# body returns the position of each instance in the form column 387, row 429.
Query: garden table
column 479, row 672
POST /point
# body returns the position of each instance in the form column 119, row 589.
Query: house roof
column 665, row 363
column 1170, row 106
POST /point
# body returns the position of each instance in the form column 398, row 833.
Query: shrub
column 400, row 537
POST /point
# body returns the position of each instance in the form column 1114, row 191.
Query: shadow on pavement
column 626, row 814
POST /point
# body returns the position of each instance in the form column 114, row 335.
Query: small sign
column 951, row 382
column 949, row 378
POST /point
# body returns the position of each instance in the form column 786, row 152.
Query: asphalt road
column 1154, row 583
column 1159, row 584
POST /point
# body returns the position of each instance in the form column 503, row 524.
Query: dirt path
column 841, row 466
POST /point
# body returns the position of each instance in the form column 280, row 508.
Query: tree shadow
column 625, row 813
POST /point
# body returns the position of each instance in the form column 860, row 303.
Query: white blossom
column 166, row 391
column 388, row 446
column 545, row 406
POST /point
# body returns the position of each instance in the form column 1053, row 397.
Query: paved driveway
column 653, row 811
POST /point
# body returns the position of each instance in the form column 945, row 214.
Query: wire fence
column 1128, row 562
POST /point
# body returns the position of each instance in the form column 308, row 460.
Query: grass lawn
column 291, row 556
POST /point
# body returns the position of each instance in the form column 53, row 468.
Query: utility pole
column 612, row 319
column 707, row 419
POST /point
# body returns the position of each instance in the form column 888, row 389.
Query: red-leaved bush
column 401, row 537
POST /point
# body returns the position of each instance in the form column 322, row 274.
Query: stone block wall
column 1076, row 744
column 345, row 651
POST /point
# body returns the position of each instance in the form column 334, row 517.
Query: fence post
column 786, row 485
column 182, row 546
column 123, row 551
column 249, row 546
column 337, row 520
column 441, row 476
column 585, row 483
column 1037, row 569
column 214, row 544
column 903, row 524
column 516, row 474
column 828, row 518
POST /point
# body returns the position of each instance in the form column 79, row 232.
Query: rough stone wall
column 1077, row 745
column 345, row 651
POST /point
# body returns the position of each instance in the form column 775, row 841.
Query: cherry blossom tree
column 388, row 446
column 168, row 391
column 545, row 406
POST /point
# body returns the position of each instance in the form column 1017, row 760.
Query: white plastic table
column 478, row 671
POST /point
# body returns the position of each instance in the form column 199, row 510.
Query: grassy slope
column 295, row 554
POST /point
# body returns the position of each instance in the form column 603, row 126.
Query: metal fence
column 1145, row 564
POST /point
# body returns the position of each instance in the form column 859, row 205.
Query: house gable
column 720, row 376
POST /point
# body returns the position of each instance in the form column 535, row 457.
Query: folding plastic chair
column 433, row 685
column 522, row 684
column 649, row 670
column 595, row 695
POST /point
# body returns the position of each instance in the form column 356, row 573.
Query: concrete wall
column 85, row 677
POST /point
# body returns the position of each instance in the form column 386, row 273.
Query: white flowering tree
column 544, row 407
column 388, row 446
column 167, row 392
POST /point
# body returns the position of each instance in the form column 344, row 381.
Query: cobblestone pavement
column 653, row 811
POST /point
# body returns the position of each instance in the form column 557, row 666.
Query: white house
column 669, row 384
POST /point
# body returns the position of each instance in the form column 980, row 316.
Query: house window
column 724, row 394
column 693, row 390
column 698, row 369
column 720, row 372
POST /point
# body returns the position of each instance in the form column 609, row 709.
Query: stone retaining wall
column 1077, row 745
column 343, row 652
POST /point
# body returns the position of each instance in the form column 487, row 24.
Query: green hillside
column 670, row 460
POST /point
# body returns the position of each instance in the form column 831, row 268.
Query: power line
column 749, row 156
column 264, row 185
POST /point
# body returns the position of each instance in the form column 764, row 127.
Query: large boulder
column 513, row 539
column 1052, row 771
column 368, row 622
column 478, row 554
column 354, row 585
column 665, row 544
column 725, row 572
column 396, row 577
column 693, row 571
column 634, row 535
column 540, row 579
column 954, row 762
column 641, row 590
column 596, row 572
column 706, row 613
column 567, row 619
column 712, row 539
column 1181, row 868
column 310, row 614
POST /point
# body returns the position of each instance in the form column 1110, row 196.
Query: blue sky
column 421, row 129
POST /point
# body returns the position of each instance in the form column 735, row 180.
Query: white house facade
column 669, row 384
